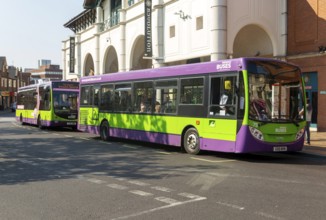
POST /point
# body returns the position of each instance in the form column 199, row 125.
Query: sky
column 31, row 30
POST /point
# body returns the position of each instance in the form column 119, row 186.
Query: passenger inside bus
column 157, row 107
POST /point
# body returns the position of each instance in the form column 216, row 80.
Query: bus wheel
column 104, row 131
column 191, row 141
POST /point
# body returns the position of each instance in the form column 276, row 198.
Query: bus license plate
column 280, row 148
column 71, row 123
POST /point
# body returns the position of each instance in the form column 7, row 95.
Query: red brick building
column 52, row 72
column 307, row 48
column 11, row 78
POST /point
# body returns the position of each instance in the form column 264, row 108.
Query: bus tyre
column 191, row 141
column 104, row 131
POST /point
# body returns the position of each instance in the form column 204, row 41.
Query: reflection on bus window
column 166, row 97
column 65, row 100
column 274, row 97
column 143, row 96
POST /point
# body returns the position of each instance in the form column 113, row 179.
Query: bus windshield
column 275, row 92
column 65, row 102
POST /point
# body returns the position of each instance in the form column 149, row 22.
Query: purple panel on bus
column 246, row 143
column 189, row 69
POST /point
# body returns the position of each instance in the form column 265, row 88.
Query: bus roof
column 47, row 83
column 171, row 71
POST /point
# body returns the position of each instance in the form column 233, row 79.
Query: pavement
column 317, row 143
column 317, row 138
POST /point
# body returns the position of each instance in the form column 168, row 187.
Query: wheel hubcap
column 192, row 141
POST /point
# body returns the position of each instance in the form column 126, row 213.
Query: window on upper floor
column 131, row 2
column 172, row 31
column 199, row 23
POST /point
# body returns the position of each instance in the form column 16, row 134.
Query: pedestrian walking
column 308, row 120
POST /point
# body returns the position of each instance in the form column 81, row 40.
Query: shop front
column 6, row 98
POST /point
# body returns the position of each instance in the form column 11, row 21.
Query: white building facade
column 110, row 36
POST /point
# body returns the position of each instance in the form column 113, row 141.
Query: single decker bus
column 48, row 104
column 238, row 105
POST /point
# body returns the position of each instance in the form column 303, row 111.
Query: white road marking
column 120, row 178
column 140, row 193
column 69, row 136
column 130, row 147
column 231, row 205
column 268, row 216
column 162, row 189
column 138, row 183
column 29, row 162
column 166, row 200
column 160, row 208
column 97, row 181
column 84, row 138
column 162, row 152
column 189, row 195
column 212, row 161
column 79, row 176
column 117, row 186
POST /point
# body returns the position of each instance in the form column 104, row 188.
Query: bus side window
column 85, row 95
column 241, row 94
column 107, row 98
column 192, row 91
column 96, row 93
column 166, row 96
column 143, row 96
column 122, row 97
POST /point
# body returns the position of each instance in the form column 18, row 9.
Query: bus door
column 95, row 102
column 222, row 109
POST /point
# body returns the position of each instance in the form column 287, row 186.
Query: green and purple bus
column 239, row 105
column 48, row 104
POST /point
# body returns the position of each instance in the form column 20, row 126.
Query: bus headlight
column 256, row 133
column 299, row 134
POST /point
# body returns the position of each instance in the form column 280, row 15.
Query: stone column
column 78, row 63
column 64, row 61
column 158, row 33
column 218, row 29
column 122, row 55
